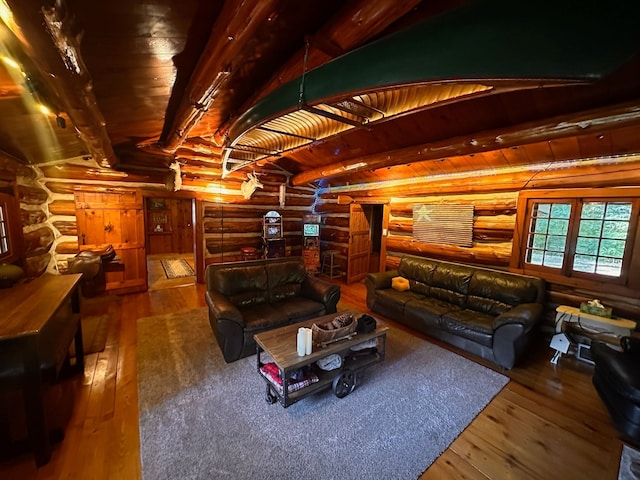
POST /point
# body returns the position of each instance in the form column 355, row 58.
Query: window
column 8, row 228
column 580, row 237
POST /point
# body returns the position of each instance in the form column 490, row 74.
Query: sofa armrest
column 526, row 314
column 222, row 308
column 377, row 281
column 321, row 291
column 380, row 280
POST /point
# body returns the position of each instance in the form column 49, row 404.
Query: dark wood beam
column 50, row 39
column 356, row 23
column 591, row 121
column 232, row 31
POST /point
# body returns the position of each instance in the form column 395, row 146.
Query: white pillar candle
column 308, row 341
column 301, row 342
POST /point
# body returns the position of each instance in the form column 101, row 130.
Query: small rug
column 177, row 268
column 94, row 334
column 629, row 464
column 201, row 418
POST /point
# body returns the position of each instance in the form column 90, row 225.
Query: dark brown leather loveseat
column 246, row 298
column 486, row 312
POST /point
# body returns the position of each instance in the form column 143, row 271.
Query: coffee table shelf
column 280, row 346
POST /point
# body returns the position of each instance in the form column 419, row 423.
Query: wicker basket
column 330, row 332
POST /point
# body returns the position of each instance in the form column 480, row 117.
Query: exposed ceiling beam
column 352, row 26
column 232, row 31
column 50, row 39
column 592, row 121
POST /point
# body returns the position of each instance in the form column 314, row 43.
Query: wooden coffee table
column 280, row 345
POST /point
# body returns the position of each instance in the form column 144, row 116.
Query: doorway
column 170, row 242
column 375, row 214
column 367, row 240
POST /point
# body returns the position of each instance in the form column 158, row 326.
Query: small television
column 311, row 229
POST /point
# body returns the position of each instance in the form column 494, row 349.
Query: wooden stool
column 329, row 268
column 249, row 253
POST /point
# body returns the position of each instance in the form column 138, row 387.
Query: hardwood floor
column 547, row 423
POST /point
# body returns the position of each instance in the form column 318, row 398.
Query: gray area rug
column 201, row 418
column 629, row 464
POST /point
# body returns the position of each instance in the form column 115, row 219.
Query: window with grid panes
column 580, row 237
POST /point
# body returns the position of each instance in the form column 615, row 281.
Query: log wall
column 228, row 222
column 493, row 227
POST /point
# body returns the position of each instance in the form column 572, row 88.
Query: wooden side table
column 592, row 325
column 615, row 326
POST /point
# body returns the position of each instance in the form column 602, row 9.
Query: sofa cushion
column 505, row 288
column 418, row 269
column 285, row 280
column 450, row 282
column 394, row 299
column 427, row 311
column 242, row 286
column 487, row 305
column 263, row 317
column 470, row 324
column 421, row 288
column 232, row 280
column 300, row 308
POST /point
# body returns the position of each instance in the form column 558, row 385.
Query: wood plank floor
column 547, row 423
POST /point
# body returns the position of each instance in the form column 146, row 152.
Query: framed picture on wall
column 157, row 204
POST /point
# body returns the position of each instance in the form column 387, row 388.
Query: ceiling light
column 11, row 62
column 44, row 109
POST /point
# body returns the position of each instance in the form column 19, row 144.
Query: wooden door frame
column 386, row 211
column 384, row 231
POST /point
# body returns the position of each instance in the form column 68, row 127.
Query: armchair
column 616, row 377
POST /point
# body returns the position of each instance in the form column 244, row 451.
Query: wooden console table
column 39, row 320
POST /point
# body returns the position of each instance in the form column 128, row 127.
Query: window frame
column 629, row 279
column 8, row 202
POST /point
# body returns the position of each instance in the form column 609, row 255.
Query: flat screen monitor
column 311, row 229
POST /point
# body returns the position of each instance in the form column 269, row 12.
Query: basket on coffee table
column 342, row 326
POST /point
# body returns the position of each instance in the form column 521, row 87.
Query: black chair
column 616, row 377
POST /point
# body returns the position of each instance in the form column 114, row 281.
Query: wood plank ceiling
column 139, row 84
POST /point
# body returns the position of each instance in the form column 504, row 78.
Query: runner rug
column 177, row 268
column 201, row 418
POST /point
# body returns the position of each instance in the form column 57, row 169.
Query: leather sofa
column 486, row 312
column 616, row 377
column 250, row 297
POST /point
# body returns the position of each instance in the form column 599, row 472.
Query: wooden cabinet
column 115, row 217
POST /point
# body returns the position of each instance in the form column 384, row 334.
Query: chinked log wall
column 49, row 223
column 493, row 226
column 229, row 222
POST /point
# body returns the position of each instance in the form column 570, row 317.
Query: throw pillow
column 400, row 284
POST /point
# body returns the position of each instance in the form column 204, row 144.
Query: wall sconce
column 282, row 194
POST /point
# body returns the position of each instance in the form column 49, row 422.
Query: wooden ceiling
column 138, row 84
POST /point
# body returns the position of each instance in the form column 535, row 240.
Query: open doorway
column 169, row 227
column 367, row 241
column 375, row 213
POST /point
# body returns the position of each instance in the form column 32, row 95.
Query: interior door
column 184, row 230
column 359, row 244
column 116, row 218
